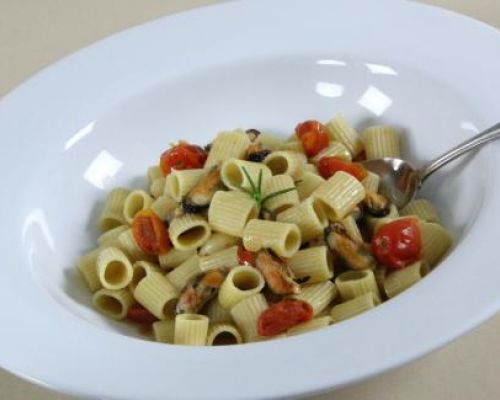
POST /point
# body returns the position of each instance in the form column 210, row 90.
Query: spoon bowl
column 400, row 181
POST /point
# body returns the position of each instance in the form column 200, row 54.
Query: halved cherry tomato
column 313, row 135
column 327, row 167
column 398, row 243
column 150, row 233
column 246, row 257
column 139, row 314
column 182, row 156
column 282, row 316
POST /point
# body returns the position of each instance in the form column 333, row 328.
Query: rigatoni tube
column 309, row 217
column 241, row 282
column 339, row 195
column 135, row 202
column 113, row 268
column 155, row 293
column 113, row 303
column 397, row 281
column 112, row 213
column 246, row 314
column 283, row 238
column 318, row 295
column 223, row 335
column 314, row 263
column 233, row 144
column 233, row 173
column 353, row 307
column 191, row 329
column 229, row 212
column 189, row 231
column 351, row 284
column 380, row 142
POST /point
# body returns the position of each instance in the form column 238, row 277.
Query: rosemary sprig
column 256, row 191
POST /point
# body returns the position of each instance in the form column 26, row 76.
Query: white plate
column 98, row 118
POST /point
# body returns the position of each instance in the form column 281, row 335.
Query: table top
column 34, row 34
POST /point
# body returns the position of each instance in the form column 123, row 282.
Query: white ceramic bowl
column 98, row 118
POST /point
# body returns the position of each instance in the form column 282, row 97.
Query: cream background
column 35, row 33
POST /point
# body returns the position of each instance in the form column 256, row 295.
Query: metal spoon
column 400, row 181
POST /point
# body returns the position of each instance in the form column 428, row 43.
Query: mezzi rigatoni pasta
column 254, row 237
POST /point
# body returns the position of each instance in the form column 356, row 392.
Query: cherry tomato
column 398, row 243
column 313, row 135
column 327, row 167
column 150, row 233
column 282, row 316
column 246, row 257
column 182, row 156
column 139, row 314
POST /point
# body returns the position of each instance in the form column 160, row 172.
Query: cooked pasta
column 422, row 209
column 397, row 281
column 254, row 237
column 229, row 212
column 436, row 241
column 223, row 334
column 135, row 202
column 112, row 213
column 191, row 329
column 340, row 129
column 285, row 163
column 227, row 145
column 113, row 268
column 225, row 258
column 113, row 303
column 189, row 232
column 233, row 173
column 156, row 294
column 352, row 284
column 353, row 307
column 380, row 142
column 163, row 331
column 318, row 295
column 307, row 184
column 179, row 183
column 339, row 195
column 308, row 216
column 87, row 264
column 278, row 183
column 281, row 237
column 164, row 206
column 315, row 264
column 335, row 149
column 312, row 325
column 241, row 282
column 217, row 242
column 217, row 313
column 181, row 275
column 246, row 313
column 174, row 258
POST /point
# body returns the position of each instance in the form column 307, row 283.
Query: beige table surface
column 35, row 33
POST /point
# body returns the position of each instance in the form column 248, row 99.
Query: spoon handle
column 480, row 139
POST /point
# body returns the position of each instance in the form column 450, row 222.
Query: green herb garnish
column 256, row 192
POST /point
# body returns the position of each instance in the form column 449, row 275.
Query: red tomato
column 327, row 167
column 282, row 316
column 313, row 135
column 150, row 233
column 182, row 156
column 246, row 257
column 139, row 314
column 397, row 244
